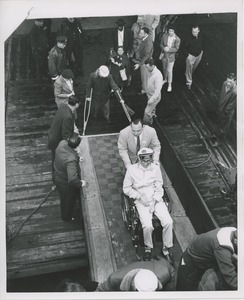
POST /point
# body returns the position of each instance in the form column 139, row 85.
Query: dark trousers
column 224, row 125
column 40, row 60
column 188, row 276
column 76, row 63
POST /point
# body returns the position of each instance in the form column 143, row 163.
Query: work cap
column 104, row 71
column 67, row 74
column 145, row 281
column 145, row 151
column 61, row 39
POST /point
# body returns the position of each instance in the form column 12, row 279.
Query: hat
column 61, row 39
column 67, row 74
column 145, row 281
column 120, row 22
column 145, row 151
column 103, row 71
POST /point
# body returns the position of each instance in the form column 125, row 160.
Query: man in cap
column 214, row 249
column 57, row 60
column 67, row 174
column 141, row 276
column 143, row 182
column 72, row 29
column 63, row 87
column 154, row 85
column 142, row 54
column 102, row 83
column 134, row 137
column 39, row 48
column 122, row 37
column 170, row 44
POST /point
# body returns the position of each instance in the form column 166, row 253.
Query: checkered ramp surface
column 109, row 170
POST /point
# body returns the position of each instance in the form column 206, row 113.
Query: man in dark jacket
column 57, row 60
column 63, row 124
column 39, row 47
column 227, row 106
column 122, row 37
column 141, row 276
column 101, row 83
column 72, row 29
column 214, row 249
column 67, row 175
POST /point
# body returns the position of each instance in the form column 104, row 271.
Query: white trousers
column 191, row 64
column 150, row 110
column 144, row 77
column 168, row 69
column 161, row 211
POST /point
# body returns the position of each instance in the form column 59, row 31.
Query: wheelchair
column 132, row 222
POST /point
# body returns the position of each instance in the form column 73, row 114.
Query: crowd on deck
column 138, row 145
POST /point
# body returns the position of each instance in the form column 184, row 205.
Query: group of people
column 139, row 148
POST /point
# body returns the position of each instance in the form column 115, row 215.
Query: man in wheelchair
column 144, row 183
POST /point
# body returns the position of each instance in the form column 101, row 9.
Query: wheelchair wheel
column 126, row 211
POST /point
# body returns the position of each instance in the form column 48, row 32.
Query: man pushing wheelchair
column 144, row 183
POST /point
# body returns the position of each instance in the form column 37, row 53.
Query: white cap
column 146, row 281
column 145, row 151
column 104, row 71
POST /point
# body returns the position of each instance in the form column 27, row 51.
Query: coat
column 227, row 99
column 170, row 55
column 61, row 90
column 57, row 61
column 62, row 126
column 128, row 39
column 145, row 50
column 121, row 280
column 127, row 144
column 115, row 69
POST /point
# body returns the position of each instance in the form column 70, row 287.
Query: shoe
column 147, row 255
column 188, row 86
column 169, row 89
column 167, row 255
column 108, row 121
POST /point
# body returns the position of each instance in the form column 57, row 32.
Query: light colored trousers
column 150, row 110
column 191, row 64
column 161, row 211
column 168, row 69
column 144, row 77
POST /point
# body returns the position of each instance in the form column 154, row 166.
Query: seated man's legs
column 146, row 222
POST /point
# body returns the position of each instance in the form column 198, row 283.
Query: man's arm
column 158, row 185
column 73, row 176
column 158, row 83
column 112, row 84
column 147, row 52
column 155, row 145
column 67, row 128
column 227, row 269
column 177, row 46
column 155, row 22
column 128, row 187
column 123, row 150
column 52, row 65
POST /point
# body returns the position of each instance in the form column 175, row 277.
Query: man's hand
column 166, row 49
column 71, row 94
column 136, row 66
column 83, row 183
column 144, row 200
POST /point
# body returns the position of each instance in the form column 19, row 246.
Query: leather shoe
column 147, row 255
column 108, row 121
column 168, row 256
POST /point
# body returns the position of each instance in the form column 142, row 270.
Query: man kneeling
column 143, row 182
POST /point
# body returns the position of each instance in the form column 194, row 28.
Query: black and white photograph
column 121, row 149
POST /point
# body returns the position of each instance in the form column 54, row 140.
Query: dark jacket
column 193, row 45
column 227, row 99
column 161, row 268
column 101, row 87
column 145, row 50
column 128, row 39
column 214, row 249
column 62, row 126
column 66, row 166
column 38, row 38
column 57, row 61
column 73, row 32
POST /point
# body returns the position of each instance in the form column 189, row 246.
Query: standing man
column 227, row 106
column 134, row 137
column 72, row 29
column 170, row 44
column 141, row 276
column 213, row 249
column 154, row 86
column 193, row 48
column 63, row 124
column 39, row 47
column 57, row 60
column 150, row 21
column 143, row 182
column 63, row 87
column 122, row 37
column 102, row 83
column 143, row 53
column 67, row 175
